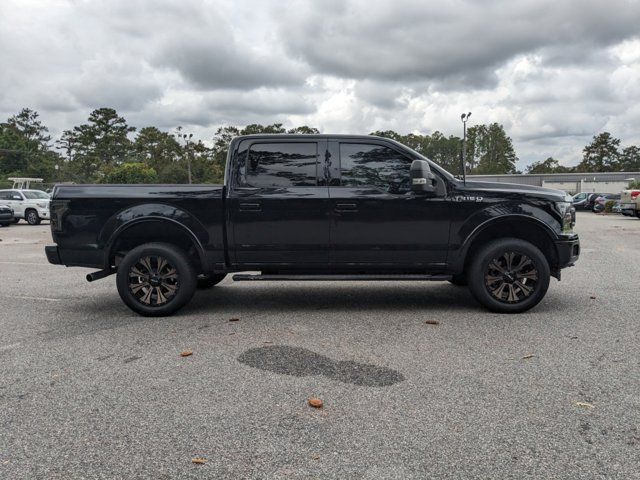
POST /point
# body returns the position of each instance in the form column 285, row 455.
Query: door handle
column 346, row 207
column 250, row 207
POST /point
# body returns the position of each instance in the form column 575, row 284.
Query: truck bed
column 87, row 218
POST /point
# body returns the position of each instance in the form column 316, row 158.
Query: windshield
column 35, row 194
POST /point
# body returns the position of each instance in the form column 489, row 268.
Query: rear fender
column 153, row 212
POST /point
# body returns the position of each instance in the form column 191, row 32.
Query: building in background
column 609, row 182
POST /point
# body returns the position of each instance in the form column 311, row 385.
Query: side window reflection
column 281, row 165
column 374, row 166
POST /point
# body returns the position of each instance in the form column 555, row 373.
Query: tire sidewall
column 495, row 249
column 186, row 279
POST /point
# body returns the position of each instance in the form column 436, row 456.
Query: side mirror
column 422, row 180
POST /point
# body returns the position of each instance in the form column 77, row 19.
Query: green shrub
column 608, row 205
column 132, row 172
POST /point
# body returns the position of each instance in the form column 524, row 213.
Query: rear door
column 377, row 222
column 278, row 204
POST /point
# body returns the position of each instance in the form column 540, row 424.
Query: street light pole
column 464, row 117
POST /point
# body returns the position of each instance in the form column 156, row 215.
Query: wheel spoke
column 138, row 287
column 162, row 262
column 498, row 291
column 524, row 261
column 509, row 258
column 171, row 288
column 136, row 273
column 512, row 294
column 526, row 290
column 160, row 298
column 146, row 298
column 171, row 274
column 533, row 275
column 146, row 262
column 494, row 265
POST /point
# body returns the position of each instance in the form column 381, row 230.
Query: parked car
column 6, row 215
column 579, row 200
column 317, row 207
column 617, row 208
column 600, row 202
column 32, row 205
column 630, row 202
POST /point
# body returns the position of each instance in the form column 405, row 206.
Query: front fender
column 467, row 231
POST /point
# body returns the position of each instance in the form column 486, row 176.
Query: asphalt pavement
column 90, row 390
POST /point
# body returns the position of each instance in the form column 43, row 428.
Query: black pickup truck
column 317, row 207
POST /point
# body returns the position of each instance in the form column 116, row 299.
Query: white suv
column 32, row 205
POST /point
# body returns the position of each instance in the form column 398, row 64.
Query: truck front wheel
column 509, row 275
column 156, row 279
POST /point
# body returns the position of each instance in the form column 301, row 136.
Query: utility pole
column 189, row 146
column 464, row 117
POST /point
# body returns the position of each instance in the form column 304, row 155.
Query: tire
column 638, row 213
column 32, row 218
column 459, row 280
column 16, row 220
column 208, row 281
column 175, row 279
column 6, row 224
column 509, row 289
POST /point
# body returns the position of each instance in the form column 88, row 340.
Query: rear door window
column 282, row 165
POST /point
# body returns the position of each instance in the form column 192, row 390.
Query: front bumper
column 568, row 249
column 6, row 216
column 44, row 214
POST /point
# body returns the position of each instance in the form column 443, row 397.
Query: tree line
column 106, row 149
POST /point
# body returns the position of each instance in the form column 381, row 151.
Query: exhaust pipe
column 92, row 277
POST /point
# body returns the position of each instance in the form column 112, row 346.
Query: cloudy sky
column 554, row 73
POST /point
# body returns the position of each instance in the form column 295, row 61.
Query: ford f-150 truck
column 317, row 207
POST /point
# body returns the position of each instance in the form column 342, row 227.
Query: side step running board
column 242, row 277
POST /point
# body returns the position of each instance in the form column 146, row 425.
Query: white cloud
column 554, row 73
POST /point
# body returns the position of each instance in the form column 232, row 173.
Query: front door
column 279, row 205
column 377, row 222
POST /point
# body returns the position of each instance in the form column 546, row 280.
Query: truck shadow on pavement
column 301, row 362
column 332, row 297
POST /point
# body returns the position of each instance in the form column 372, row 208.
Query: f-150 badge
column 466, row 198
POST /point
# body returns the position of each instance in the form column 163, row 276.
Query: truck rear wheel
column 509, row 275
column 156, row 279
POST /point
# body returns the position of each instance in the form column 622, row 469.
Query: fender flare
column 125, row 226
column 464, row 248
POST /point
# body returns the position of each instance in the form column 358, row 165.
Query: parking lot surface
column 90, row 390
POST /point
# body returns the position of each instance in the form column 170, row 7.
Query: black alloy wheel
column 153, row 280
column 156, row 279
column 511, row 277
column 508, row 275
